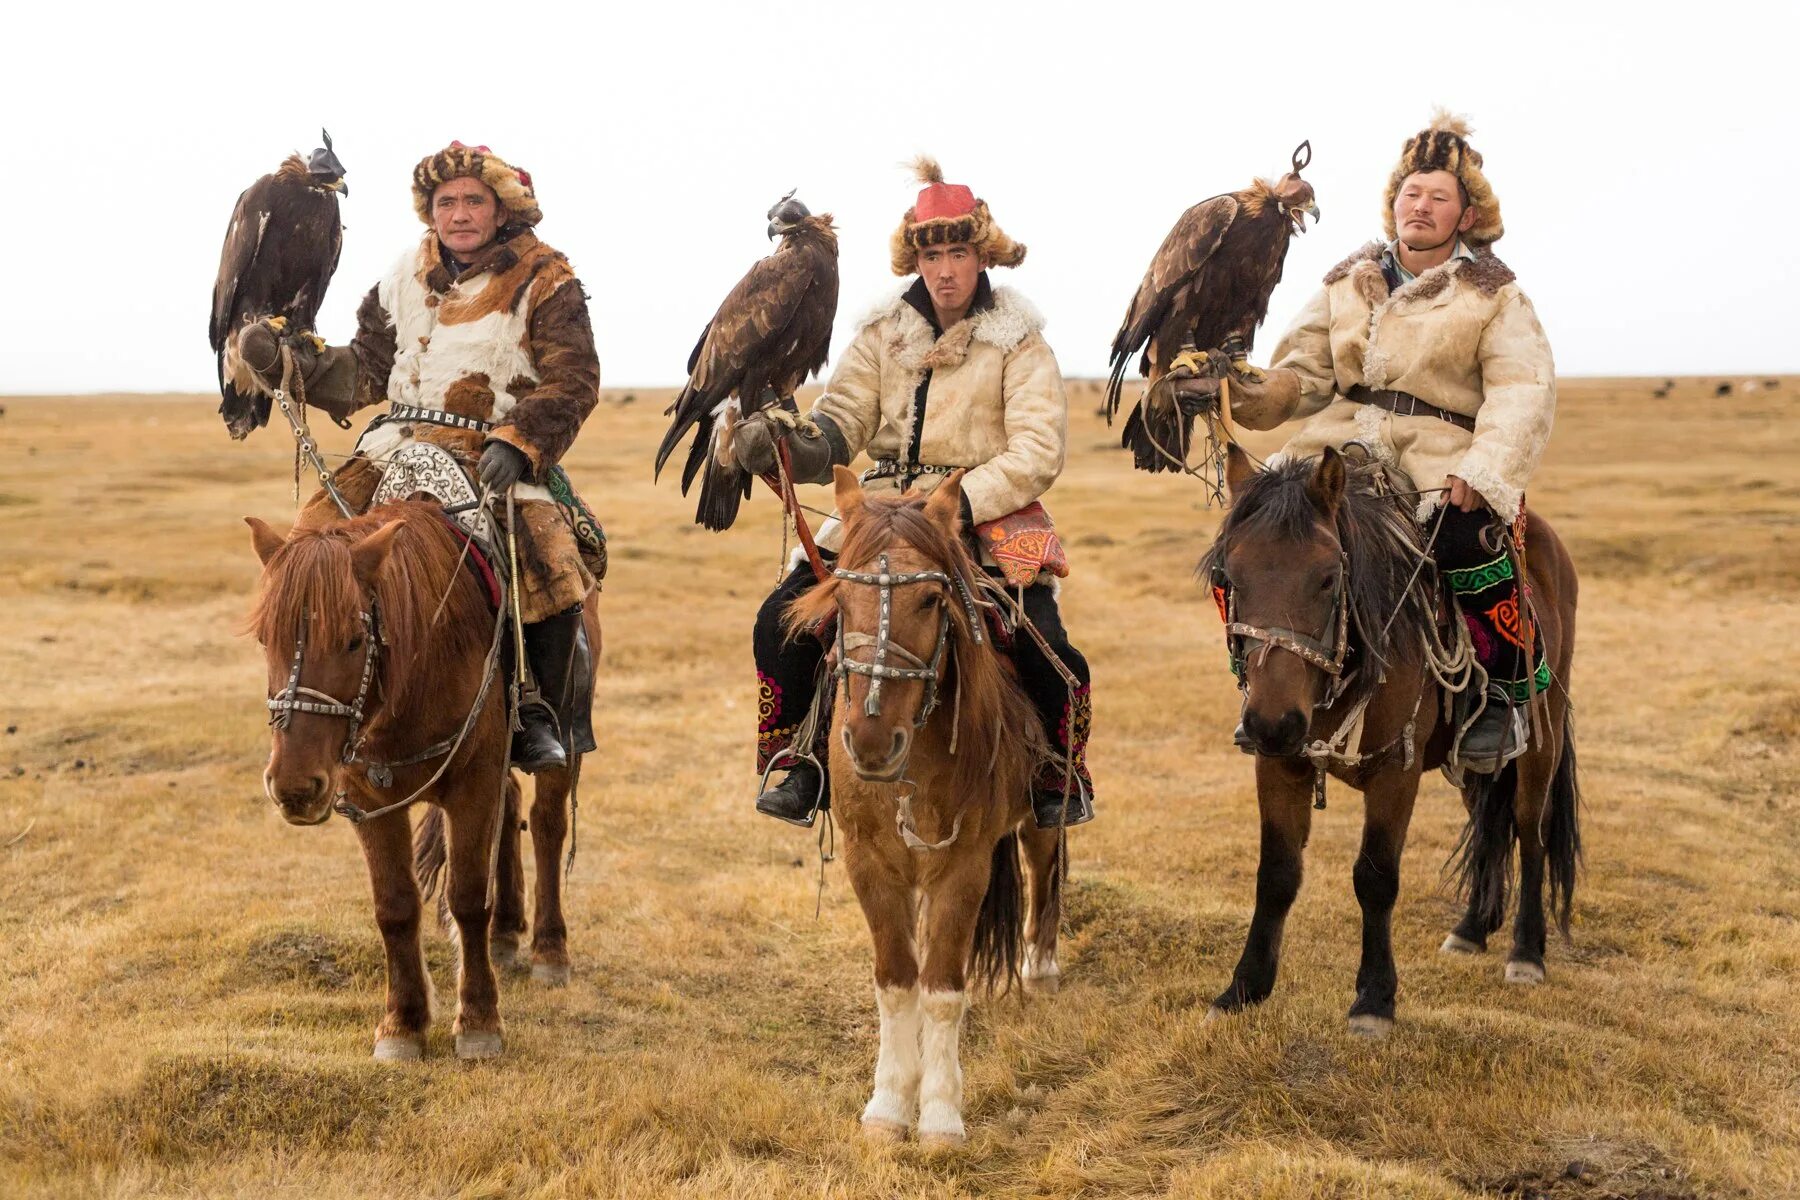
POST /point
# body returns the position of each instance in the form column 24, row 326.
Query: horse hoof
column 1460, row 945
column 1215, row 1013
column 1043, row 985
column 1529, row 973
column 886, row 1133
column 1368, row 1025
column 505, row 956
column 401, row 1047
column 550, row 974
column 942, row 1139
column 472, row 1046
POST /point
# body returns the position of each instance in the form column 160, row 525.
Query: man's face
column 467, row 215
column 1429, row 210
column 950, row 273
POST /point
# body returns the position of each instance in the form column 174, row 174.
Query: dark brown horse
column 932, row 750
column 1341, row 668
column 378, row 644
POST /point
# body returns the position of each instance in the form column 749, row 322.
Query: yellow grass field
column 189, row 987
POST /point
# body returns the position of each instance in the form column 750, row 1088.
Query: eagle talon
column 1245, row 371
column 278, row 324
column 1191, row 362
column 317, row 342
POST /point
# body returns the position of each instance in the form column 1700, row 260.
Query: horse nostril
column 899, row 747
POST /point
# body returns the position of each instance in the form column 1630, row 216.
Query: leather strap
column 436, row 416
column 1405, row 404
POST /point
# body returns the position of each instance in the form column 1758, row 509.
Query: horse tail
column 1563, row 835
column 1000, row 926
column 430, row 852
column 1484, row 853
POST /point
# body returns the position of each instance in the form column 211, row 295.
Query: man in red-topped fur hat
column 478, row 340
column 950, row 372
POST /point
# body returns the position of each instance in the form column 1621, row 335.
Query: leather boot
column 799, row 798
column 553, row 647
column 1047, row 806
column 1498, row 735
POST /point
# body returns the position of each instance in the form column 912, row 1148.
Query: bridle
column 1313, row 648
column 289, row 701
column 877, row 670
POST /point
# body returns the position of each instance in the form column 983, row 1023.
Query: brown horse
column 932, row 750
column 380, row 665
column 1333, row 624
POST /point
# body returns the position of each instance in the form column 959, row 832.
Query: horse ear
column 1239, row 470
column 944, row 506
column 849, row 491
column 368, row 555
column 265, row 539
column 1326, row 487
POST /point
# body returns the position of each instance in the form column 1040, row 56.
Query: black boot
column 1498, row 735
column 1048, row 810
column 799, row 798
column 556, row 649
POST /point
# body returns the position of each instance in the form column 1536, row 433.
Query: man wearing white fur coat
column 949, row 373
column 1424, row 350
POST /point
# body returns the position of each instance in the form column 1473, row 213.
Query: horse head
column 316, row 619
column 1279, row 569
column 901, row 600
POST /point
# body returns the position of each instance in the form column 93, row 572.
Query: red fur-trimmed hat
column 946, row 213
column 457, row 161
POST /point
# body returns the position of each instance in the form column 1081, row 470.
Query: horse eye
column 930, row 600
column 354, row 646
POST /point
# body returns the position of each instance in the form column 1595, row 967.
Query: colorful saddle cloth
column 1024, row 545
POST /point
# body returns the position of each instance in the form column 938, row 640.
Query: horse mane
column 1392, row 608
column 999, row 740
column 311, row 577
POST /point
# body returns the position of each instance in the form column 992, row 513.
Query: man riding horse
column 951, row 372
column 479, row 341
column 1423, row 351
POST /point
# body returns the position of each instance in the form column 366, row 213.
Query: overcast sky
column 1645, row 159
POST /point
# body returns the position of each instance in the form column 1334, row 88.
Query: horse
column 382, row 662
column 1306, row 547
column 931, row 762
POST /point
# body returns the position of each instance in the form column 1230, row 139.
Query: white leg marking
column 1041, row 975
column 940, row 1086
column 890, row 1110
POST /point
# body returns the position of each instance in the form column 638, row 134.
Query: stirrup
column 791, row 761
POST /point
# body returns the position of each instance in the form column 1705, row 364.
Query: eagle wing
column 1178, row 260
column 243, row 239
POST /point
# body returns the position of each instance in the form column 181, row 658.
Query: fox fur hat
column 1444, row 146
column 457, row 161
column 946, row 213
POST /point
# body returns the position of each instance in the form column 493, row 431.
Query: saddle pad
column 1024, row 545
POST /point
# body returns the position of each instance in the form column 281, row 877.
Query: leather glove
column 331, row 382
column 501, row 466
column 753, row 444
column 260, row 349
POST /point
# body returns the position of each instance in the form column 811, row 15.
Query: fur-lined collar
column 1485, row 272
column 915, row 347
column 496, row 259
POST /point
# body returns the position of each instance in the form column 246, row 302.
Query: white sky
column 1645, row 155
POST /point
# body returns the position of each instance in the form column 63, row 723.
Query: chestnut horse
column 932, row 752
column 382, row 670
column 1333, row 622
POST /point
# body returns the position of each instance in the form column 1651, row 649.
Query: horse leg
column 473, row 818
column 887, row 904
column 1536, row 767
column 1044, row 851
column 549, row 828
column 1284, row 801
column 952, row 906
column 387, row 848
column 1387, row 810
column 509, row 887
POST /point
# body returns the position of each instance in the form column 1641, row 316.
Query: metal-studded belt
column 1405, row 404
column 435, row 416
column 887, row 468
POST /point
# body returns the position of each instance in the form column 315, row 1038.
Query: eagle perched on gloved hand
column 1208, row 287
column 773, row 330
column 280, row 251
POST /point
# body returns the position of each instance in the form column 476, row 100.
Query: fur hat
column 945, row 213
column 457, row 161
column 1444, row 146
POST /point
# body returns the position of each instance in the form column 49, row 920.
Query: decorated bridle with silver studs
column 289, row 702
column 883, row 645
column 1313, row 649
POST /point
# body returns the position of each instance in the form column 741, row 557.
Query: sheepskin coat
column 1462, row 336
column 994, row 402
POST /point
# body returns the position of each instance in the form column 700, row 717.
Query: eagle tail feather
column 723, row 489
column 1152, row 434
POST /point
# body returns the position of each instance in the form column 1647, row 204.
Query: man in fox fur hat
column 949, row 372
column 478, row 339
column 1423, row 350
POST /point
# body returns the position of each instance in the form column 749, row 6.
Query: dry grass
column 191, row 985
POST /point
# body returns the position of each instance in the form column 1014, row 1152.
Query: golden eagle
column 1208, row 287
column 280, row 251
column 772, row 331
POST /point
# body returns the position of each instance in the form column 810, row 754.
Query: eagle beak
column 342, row 187
column 776, row 229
